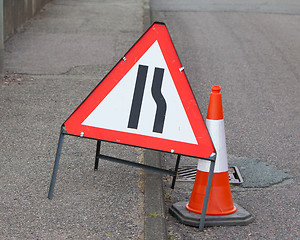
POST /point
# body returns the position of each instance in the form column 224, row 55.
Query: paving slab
column 50, row 66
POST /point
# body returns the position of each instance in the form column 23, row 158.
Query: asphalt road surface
column 252, row 50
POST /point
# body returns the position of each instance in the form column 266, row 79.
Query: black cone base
column 240, row 217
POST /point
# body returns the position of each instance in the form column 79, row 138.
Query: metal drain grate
column 188, row 174
column 235, row 176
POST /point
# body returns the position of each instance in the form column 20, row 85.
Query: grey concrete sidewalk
column 51, row 65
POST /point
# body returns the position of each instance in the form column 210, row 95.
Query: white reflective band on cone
column 216, row 130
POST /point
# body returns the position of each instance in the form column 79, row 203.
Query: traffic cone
column 220, row 199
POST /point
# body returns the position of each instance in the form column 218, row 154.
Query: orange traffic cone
column 220, row 199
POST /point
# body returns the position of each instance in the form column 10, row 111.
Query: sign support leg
column 97, row 154
column 56, row 163
column 206, row 197
column 176, row 170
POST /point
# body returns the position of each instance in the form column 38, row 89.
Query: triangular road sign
column 145, row 101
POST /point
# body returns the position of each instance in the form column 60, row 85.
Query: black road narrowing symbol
column 161, row 106
column 138, row 97
column 159, row 99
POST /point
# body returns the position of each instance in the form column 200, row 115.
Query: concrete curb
column 147, row 14
column 155, row 219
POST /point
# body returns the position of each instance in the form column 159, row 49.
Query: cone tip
column 215, row 109
column 216, row 89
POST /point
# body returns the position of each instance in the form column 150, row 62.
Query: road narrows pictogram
column 138, row 97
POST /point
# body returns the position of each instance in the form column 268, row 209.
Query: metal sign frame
column 134, row 164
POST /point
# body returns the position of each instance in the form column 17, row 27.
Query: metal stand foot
column 56, row 163
column 206, row 197
column 176, row 170
column 97, row 154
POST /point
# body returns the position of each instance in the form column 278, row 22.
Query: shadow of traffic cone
column 220, row 199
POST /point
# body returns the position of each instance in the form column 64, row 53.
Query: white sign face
column 145, row 102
